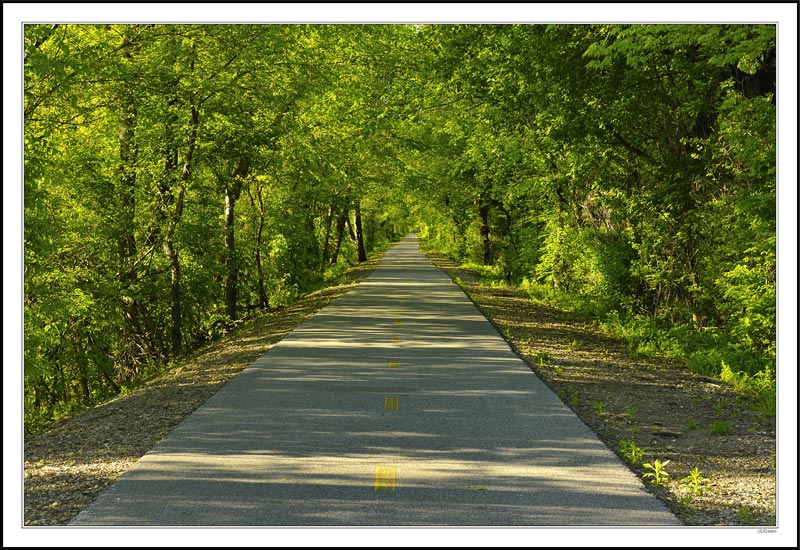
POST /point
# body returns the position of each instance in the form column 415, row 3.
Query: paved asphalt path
column 398, row 404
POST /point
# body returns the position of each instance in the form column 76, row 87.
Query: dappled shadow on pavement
column 403, row 375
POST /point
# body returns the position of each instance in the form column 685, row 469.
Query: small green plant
column 543, row 358
column 720, row 427
column 694, row 484
column 631, row 453
column 630, row 411
column 745, row 516
column 574, row 345
column 598, row 407
column 656, row 475
column 571, row 396
column 691, row 424
column 557, row 371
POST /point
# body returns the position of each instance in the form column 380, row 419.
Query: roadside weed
column 598, row 407
column 631, row 453
column 745, row 516
column 630, row 411
column 571, row 396
column 694, row 484
column 657, row 474
column 720, row 427
column 574, row 345
column 691, row 424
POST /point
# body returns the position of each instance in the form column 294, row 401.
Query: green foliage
column 720, row 427
column 571, row 396
column 709, row 352
column 175, row 171
column 632, row 454
column 626, row 172
column 656, row 473
column 745, row 516
column 694, row 484
column 574, row 345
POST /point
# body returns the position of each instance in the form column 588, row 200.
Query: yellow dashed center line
column 395, row 340
column 391, row 403
column 398, row 323
column 385, row 478
column 394, row 364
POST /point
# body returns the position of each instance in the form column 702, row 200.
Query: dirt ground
column 657, row 405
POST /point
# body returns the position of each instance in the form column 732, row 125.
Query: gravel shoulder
column 656, row 404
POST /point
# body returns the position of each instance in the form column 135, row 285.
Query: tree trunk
column 126, row 240
column 127, row 195
column 362, row 254
column 340, row 223
column 350, row 232
column 230, row 248
column 175, row 279
column 175, row 295
column 171, row 168
column 327, row 243
column 483, row 219
column 262, row 292
column 232, row 192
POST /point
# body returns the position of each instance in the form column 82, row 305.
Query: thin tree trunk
column 230, row 248
column 483, row 218
column 262, row 292
column 170, row 169
column 350, row 232
column 232, row 192
column 327, row 243
column 127, row 272
column 340, row 223
column 362, row 254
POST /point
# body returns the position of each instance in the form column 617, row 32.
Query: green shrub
column 631, row 453
column 720, row 427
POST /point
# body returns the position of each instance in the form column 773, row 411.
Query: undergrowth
column 706, row 351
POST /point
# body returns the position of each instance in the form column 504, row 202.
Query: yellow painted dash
column 396, row 340
column 391, row 403
column 385, row 478
column 398, row 323
column 394, row 364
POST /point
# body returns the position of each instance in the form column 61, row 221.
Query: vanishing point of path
column 398, row 404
